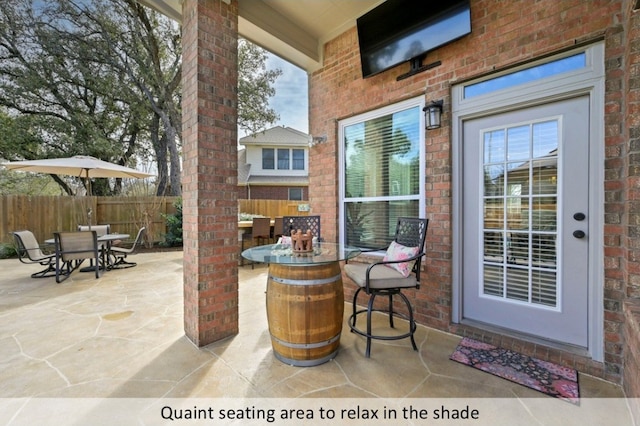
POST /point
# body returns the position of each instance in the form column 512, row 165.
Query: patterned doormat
column 546, row 377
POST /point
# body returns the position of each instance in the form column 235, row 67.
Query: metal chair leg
column 369, row 311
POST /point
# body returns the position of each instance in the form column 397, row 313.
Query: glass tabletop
column 283, row 254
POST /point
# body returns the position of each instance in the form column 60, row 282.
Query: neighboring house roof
column 284, row 136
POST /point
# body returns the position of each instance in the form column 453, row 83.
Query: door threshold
column 566, row 347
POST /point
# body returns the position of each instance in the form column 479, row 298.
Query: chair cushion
column 398, row 252
column 284, row 240
column 379, row 278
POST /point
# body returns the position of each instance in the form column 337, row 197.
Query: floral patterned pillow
column 398, row 252
column 284, row 240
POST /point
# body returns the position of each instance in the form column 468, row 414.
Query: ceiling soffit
column 294, row 30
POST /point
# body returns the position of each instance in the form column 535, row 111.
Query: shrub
column 7, row 251
column 173, row 237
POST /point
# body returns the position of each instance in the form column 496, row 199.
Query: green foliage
column 7, row 251
column 248, row 216
column 173, row 237
column 255, row 87
column 102, row 78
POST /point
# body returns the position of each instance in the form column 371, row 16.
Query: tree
column 102, row 78
column 255, row 86
column 56, row 83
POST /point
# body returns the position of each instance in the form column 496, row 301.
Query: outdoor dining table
column 305, row 300
column 245, row 226
column 108, row 239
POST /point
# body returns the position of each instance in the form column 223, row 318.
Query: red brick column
column 209, row 133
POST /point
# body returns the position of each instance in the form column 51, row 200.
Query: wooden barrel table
column 305, row 306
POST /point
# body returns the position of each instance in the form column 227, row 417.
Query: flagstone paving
column 121, row 336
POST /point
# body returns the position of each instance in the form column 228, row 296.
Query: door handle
column 579, row 234
column 579, row 216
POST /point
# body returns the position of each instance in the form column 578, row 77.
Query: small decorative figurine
column 302, row 242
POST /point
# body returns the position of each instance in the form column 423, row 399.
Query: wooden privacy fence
column 44, row 215
column 274, row 208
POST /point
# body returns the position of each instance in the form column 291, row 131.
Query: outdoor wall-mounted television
column 398, row 31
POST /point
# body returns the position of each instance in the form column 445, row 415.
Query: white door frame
column 590, row 81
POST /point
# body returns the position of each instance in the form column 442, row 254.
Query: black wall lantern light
column 433, row 115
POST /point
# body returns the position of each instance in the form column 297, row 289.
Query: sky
column 290, row 100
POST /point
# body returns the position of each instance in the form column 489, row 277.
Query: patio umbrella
column 82, row 166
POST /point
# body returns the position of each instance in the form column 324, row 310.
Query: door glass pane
column 545, row 139
column 493, row 280
column 494, row 213
column 494, row 180
column 543, row 288
column 518, row 284
column 518, row 143
column 545, row 176
column 494, row 147
column 494, row 247
column 520, row 212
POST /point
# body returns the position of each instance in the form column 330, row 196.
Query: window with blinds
column 381, row 175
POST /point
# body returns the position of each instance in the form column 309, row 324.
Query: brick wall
column 504, row 33
column 629, row 148
column 269, row 192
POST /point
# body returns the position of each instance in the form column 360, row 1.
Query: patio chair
column 119, row 254
column 100, row 231
column 398, row 270
column 293, row 223
column 72, row 248
column 29, row 252
column 260, row 232
column 278, row 228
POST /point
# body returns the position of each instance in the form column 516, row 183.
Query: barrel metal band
column 306, row 345
column 306, row 362
column 306, row 282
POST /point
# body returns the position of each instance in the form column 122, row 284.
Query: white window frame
column 390, row 109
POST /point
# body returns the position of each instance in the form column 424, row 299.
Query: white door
column 525, row 220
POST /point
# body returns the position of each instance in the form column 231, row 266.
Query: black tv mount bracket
column 417, row 67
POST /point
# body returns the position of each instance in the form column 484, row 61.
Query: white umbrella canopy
column 81, row 166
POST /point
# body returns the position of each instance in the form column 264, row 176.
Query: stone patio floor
column 120, row 338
